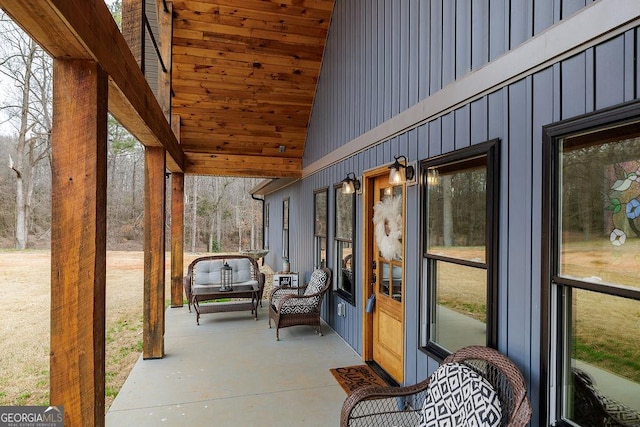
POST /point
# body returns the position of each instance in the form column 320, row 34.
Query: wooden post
column 133, row 28
column 177, row 225
column 165, row 28
column 154, row 246
column 177, row 238
column 78, row 240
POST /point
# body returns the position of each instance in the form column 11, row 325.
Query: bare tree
column 28, row 108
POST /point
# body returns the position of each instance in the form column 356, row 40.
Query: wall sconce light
column 350, row 185
column 400, row 173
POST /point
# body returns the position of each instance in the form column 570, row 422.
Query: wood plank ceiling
column 244, row 76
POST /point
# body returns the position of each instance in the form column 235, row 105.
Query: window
column 285, row 228
column 345, row 220
column 266, row 226
column 320, row 228
column 591, row 297
column 458, row 297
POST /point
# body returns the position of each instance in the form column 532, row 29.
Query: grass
column 24, row 360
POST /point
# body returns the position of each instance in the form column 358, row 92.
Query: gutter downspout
column 261, row 200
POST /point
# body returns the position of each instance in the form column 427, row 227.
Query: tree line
column 220, row 215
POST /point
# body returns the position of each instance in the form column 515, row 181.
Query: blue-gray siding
column 385, row 56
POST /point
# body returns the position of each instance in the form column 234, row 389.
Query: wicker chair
column 402, row 406
column 291, row 306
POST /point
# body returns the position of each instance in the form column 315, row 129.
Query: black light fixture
column 350, row 185
column 400, row 173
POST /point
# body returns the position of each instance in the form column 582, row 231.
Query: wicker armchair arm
column 186, row 284
column 384, row 406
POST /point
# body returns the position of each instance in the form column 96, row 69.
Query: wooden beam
column 133, row 28
column 84, row 29
column 154, row 246
column 177, row 238
column 177, row 226
column 78, row 236
column 165, row 27
column 242, row 165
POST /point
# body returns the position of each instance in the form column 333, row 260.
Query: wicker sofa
column 205, row 271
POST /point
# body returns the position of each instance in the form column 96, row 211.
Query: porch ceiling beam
column 242, row 165
column 84, row 29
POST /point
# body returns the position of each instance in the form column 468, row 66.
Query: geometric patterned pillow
column 458, row 396
column 299, row 306
column 316, row 282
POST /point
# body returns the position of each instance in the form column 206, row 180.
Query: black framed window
column 460, row 223
column 320, row 198
column 266, row 226
column 285, row 228
column 591, row 273
column 345, row 207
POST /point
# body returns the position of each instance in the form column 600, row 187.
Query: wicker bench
column 203, row 276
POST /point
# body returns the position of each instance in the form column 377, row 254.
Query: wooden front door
column 387, row 276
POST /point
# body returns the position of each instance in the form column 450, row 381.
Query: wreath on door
column 387, row 219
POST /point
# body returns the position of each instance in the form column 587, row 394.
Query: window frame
column 317, row 236
column 349, row 297
column 556, row 287
column 286, row 218
column 266, row 226
column 491, row 150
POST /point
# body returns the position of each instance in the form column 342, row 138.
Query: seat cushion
column 458, row 396
column 300, row 306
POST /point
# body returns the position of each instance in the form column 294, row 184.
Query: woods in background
column 220, row 215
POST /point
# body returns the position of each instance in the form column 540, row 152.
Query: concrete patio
column 231, row 371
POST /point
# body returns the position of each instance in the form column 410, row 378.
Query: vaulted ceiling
column 243, row 81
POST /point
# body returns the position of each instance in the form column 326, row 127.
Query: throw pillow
column 458, row 396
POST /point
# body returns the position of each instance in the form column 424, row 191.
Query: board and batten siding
column 368, row 78
column 384, row 56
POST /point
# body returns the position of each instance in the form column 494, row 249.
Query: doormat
column 352, row 377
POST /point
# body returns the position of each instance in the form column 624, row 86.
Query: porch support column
column 154, row 246
column 133, row 28
column 177, row 238
column 165, row 29
column 78, row 240
column 177, row 225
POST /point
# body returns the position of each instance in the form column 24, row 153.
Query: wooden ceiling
column 244, row 77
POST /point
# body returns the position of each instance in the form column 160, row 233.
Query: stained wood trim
column 177, row 238
column 78, row 241
column 596, row 23
column 86, row 30
column 154, row 258
column 244, row 165
column 165, row 28
column 133, row 28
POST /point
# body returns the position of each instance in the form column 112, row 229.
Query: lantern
column 226, row 278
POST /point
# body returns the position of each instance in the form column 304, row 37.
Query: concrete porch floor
column 231, row 371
